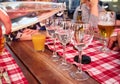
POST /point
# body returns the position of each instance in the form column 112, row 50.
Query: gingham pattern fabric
column 14, row 72
column 104, row 67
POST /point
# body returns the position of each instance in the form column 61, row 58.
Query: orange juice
column 38, row 41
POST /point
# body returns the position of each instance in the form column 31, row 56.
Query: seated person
column 90, row 10
column 25, row 33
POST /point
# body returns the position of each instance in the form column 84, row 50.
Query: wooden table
column 37, row 66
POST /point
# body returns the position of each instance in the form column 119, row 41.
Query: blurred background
column 113, row 5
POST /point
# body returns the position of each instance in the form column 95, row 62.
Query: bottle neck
column 65, row 14
column 79, row 16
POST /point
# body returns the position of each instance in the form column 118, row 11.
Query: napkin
column 85, row 59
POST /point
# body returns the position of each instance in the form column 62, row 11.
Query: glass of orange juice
column 38, row 40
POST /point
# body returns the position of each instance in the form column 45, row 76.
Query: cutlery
column 6, row 77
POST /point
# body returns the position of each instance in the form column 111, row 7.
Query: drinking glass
column 106, row 22
column 83, row 35
column 38, row 40
column 64, row 36
column 51, row 29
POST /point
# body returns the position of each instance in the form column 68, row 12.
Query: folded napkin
column 85, row 59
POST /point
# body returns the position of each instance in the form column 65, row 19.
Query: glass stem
column 105, row 43
column 54, row 51
column 80, row 61
column 64, row 55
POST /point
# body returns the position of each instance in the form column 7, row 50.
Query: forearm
column 94, row 10
column 94, row 7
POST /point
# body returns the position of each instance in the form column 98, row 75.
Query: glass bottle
column 79, row 16
column 65, row 14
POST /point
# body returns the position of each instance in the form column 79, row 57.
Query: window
column 115, row 0
column 109, row 0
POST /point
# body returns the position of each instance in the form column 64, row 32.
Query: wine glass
column 83, row 35
column 51, row 26
column 106, row 22
column 64, row 36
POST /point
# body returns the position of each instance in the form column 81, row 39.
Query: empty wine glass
column 64, row 36
column 106, row 23
column 51, row 26
column 83, row 35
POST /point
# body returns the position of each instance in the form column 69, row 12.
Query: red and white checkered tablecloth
column 104, row 67
column 14, row 72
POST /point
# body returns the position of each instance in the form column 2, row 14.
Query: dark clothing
column 14, row 36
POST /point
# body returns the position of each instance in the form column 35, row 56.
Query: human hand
column 118, row 37
column 30, row 31
column 27, row 33
column 94, row 2
column 114, row 42
column 94, row 7
column 5, row 20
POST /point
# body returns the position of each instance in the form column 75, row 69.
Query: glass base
column 105, row 50
column 55, row 58
column 79, row 75
column 65, row 66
